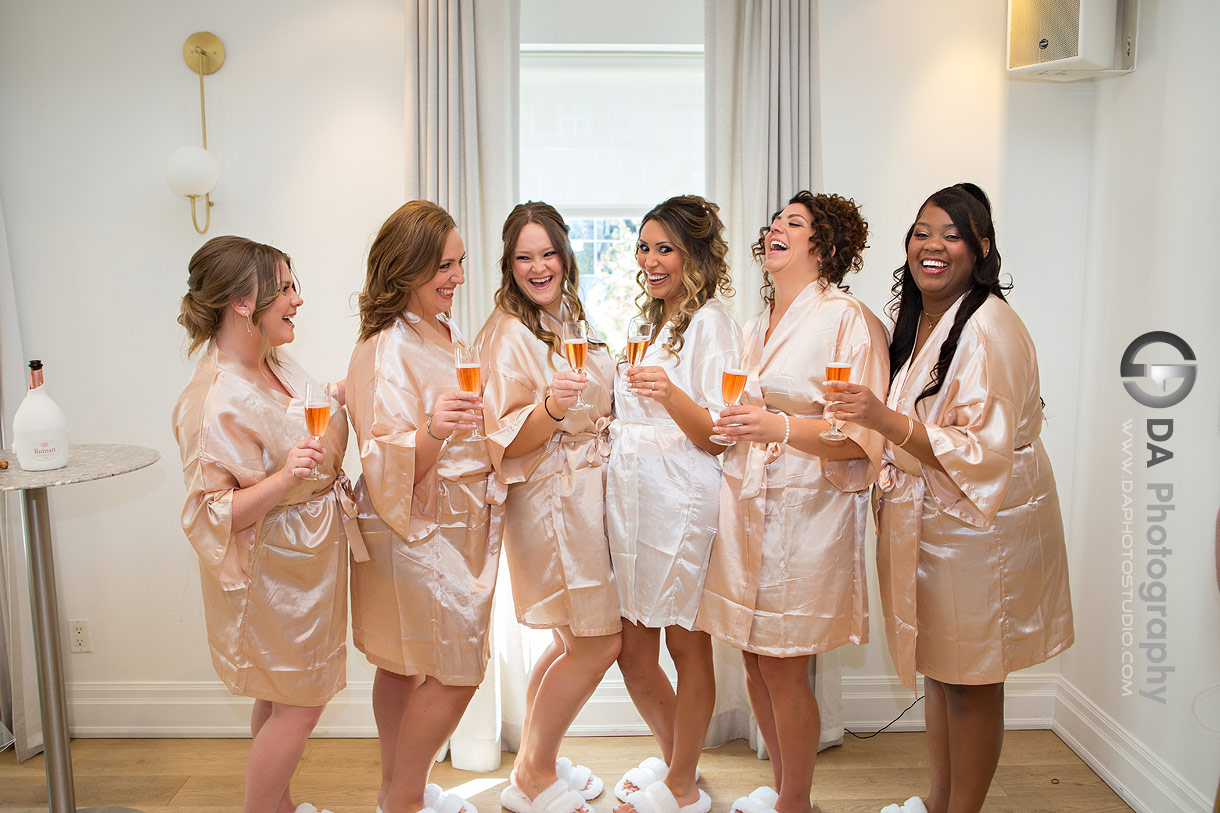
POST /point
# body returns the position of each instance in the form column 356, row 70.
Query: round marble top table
column 85, row 463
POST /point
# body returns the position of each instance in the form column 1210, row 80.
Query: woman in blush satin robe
column 971, row 557
column 430, row 506
column 272, row 546
column 553, row 459
column 786, row 579
column 662, row 495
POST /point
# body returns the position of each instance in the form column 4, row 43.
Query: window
column 607, row 134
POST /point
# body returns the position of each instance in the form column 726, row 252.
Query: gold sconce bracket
column 207, row 46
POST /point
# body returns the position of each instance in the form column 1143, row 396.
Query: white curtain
column 461, row 153
column 763, row 139
column 461, row 128
column 763, row 144
column 19, row 710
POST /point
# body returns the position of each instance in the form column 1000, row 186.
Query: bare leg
column 390, row 693
column 434, row 711
column 976, row 734
column 797, row 724
column 696, row 700
column 562, row 692
column 760, row 702
column 650, row 690
column 260, row 715
column 548, row 656
column 275, row 753
column 937, row 723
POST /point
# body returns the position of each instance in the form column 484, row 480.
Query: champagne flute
column 470, row 377
column 576, row 350
column 732, row 385
column 317, row 418
column 639, row 336
column 839, row 369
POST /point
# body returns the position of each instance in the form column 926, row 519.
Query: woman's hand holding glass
column 456, row 411
column 650, row 382
column 856, row 403
column 566, row 387
column 304, row 458
column 749, row 423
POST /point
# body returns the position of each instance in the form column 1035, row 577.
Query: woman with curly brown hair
column 430, row 504
column 553, row 457
column 663, row 490
column 786, row 578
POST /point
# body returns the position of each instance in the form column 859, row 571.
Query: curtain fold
column 19, row 710
column 763, row 144
column 461, row 88
column 461, row 84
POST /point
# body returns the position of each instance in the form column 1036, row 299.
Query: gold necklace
column 928, row 316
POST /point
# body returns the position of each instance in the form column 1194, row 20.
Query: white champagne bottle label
column 40, row 431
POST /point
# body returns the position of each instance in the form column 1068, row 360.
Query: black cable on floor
column 887, row 725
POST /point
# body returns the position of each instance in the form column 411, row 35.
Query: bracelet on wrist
column 910, row 431
column 787, row 429
column 428, row 429
column 548, row 410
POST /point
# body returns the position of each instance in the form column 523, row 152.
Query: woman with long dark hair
column 971, row 558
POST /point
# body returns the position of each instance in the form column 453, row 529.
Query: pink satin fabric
column 663, row 491
column 972, row 563
column 275, row 594
column 422, row 603
column 554, row 530
column 786, row 575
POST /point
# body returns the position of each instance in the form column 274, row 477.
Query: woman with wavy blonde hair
column 429, row 503
column 272, row 544
column 663, row 492
column 553, row 459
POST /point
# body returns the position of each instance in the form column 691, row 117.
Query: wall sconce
column 192, row 172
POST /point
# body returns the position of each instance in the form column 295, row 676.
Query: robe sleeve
column 709, row 347
column 516, row 383
column 870, row 366
column 220, row 454
column 973, row 438
column 387, row 452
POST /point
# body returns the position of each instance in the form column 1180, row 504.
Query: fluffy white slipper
column 658, row 798
column 761, row 800
column 914, row 805
column 650, row 770
column 308, row 807
column 558, row 798
column 891, row 809
column 579, row 778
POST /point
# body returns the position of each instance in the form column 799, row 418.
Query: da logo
column 1149, row 383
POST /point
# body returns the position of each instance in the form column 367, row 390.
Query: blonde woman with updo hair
column 663, row 492
column 430, row 505
column 273, row 546
column 553, row 458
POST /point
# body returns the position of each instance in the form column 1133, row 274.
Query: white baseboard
column 1145, row 781
column 206, row 709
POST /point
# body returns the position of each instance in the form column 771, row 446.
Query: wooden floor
column 1037, row 774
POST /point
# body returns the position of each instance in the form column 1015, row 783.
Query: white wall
column 306, row 120
column 915, row 99
column 1150, row 266
column 1103, row 195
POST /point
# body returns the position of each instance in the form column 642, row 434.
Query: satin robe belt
column 754, row 478
column 347, row 504
column 461, row 498
column 577, row 452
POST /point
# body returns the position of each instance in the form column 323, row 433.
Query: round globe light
column 191, row 171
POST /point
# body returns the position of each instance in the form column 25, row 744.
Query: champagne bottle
column 40, row 432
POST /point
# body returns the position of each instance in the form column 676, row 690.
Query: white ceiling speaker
column 1067, row 40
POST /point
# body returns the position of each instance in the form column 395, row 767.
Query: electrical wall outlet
column 78, row 635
